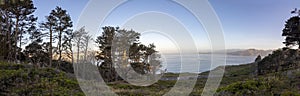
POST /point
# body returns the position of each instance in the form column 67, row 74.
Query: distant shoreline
column 246, row 52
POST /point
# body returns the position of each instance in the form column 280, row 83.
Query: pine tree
column 59, row 26
column 291, row 31
column 63, row 28
column 21, row 13
column 49, row 26
column 104, row 43
column 123, row 48
column 35, row 50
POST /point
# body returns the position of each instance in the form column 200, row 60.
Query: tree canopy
column 120, row 48
column 291, row 31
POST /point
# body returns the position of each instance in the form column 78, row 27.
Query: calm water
column 200, row 62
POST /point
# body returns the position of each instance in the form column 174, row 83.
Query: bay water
column 197, row 63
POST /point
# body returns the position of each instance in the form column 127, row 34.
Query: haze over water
column 173, row 62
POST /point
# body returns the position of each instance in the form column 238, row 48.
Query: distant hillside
column 250, row 52
column 242, row 52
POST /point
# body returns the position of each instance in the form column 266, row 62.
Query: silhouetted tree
column 63, row 27
column 292, row 31
column 59, row 21
column 67, row 47
column 19, row 14
column 35, row 51
column 104, row 43
column 258, row 58
column 49, row 25
column 5, row 34
column 123, row 48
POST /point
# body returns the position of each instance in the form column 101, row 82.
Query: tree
column 21, row 13
column 154, row 64
column 49, row 26
column 122, row 41
column 104, row 55
column 5, row 34
column 86, row 40
column 124, row 49
column 16, row 18
column 78, row 40
column 67, row 47
column 63, row 27
column 59, row 21
column 145, row 58
column 292, row 31
column 258, row 58
column 35, row 50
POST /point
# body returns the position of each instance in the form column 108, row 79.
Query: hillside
column 21, row 79
column 280, row 60
column 250, row 52
column 276, row 75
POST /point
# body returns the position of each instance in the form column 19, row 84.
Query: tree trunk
column 16, row 39
column 59, row 47
column 20, row 39
column 9, row 31
column 21, row 34
column 72, row 55
column 50, row 49
column 86, row 49
column 78, row 50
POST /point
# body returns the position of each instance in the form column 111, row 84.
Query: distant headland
column 242, row 52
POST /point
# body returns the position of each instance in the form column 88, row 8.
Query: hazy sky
column 246, row 23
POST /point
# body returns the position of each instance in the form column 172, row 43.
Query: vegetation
column 52, row 64
column 20, row 79
column 35, row 69
column 17, row 19
column 292, row 30
column 115, row 43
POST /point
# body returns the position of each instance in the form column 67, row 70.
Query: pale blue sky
column 246, row 23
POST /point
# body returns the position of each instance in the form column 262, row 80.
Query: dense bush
column 16, row 79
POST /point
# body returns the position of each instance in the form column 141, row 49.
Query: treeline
column 54, row 43
column 19, row 27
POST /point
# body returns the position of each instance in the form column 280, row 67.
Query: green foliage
column 123, row 47
column 292, row 31
column 245, row 87
column 279, row 60
column 242, row 79
column 267, row 85
column 16, row 79
column 58, row 24
column 36, row 54
column 16, row 20
column 157, row 89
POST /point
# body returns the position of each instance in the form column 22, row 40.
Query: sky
column 246, row 23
